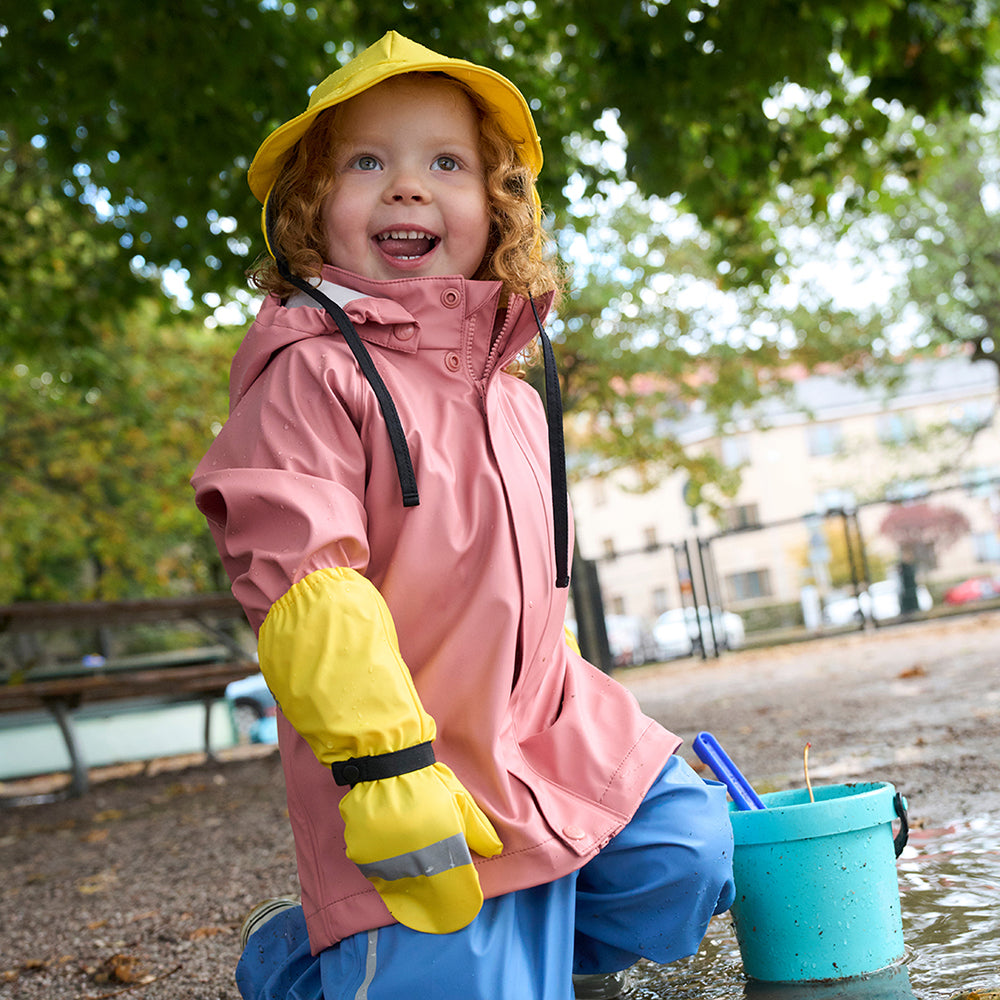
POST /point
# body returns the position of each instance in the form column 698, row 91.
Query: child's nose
column 405, row 186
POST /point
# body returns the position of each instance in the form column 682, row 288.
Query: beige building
column 832, row 446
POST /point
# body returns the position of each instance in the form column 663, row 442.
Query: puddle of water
column 949, row 884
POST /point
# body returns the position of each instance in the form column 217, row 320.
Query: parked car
column 631, row 641
column 978, row 588
column 676, row 631
column 253, row 709
column 879, row 602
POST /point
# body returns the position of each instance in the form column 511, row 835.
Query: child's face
column 410, row 197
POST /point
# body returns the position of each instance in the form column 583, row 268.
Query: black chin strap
column 400, row 449
column 557, row 456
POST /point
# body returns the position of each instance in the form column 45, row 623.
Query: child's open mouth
column 406, row 244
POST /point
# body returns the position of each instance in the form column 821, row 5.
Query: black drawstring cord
column 400, row 449
column 557, row 456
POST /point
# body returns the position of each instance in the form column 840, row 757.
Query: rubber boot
column 260, row 915
column 599, row 986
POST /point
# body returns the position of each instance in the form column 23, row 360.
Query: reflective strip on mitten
column 329, row 652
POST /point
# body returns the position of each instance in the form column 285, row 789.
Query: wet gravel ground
column 139, row 888
column 917, row 705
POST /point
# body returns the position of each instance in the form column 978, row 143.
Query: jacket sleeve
column 283, row 489
column 329, row 652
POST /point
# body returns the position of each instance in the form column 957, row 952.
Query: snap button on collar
column 404, row 331
column 452, row 361
column 451, row 297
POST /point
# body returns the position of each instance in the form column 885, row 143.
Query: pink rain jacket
column 302, row 477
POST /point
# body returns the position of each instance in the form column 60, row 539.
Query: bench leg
column 209, row 752
column 79, row 776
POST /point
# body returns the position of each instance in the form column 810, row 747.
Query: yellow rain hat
column 391, row 56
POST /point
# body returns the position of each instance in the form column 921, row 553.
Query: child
column 384, row 502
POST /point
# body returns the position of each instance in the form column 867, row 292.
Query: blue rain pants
column 649, row 893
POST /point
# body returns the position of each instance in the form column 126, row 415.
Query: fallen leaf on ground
column 121, row 969
column 205, row 932
column 108, row 816
column 100, row 882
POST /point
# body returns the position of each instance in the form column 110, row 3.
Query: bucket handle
column 899, row 841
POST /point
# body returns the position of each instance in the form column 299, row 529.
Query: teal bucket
column 817, row 895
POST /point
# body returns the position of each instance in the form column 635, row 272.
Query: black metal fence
column 864, row 565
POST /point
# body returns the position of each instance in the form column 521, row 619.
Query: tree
column 934, row 237
column 646, row 338
column 147, row 114
column 94, row 475
column 949, row 228
column 125, row 135
column 921, row 530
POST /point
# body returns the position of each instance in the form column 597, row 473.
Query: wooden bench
column 200, row 674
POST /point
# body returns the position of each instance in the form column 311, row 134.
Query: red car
column 979, row 588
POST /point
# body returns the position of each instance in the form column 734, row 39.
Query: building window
column 835, row 500
column 909, row 489
column 649, row 538
column 986, row 545
column 660, row 601
column 895, row 428
column 616, row 606
column 608, row 548
column 982, row 481
column 825, row 439
column 743, row 516
column 972, row 416
column 735, row 451
column 749, row 585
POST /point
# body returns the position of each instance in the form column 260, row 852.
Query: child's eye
column 366, row 162
column 446, row 163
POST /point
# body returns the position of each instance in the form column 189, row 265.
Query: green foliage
column 648, row 342
column 150, row 112
column 126, row 131
column 949, row 228
column 62, row 271
column 94, row 472
column 633, row 356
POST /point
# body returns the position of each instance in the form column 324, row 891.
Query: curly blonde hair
column 519, row 253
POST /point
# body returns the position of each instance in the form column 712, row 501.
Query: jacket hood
column 380, row 308
column 377, row 308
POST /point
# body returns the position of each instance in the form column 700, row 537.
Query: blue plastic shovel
column 706, row 746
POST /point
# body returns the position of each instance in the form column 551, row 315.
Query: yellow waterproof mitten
column 571, row 640
column 329, row 652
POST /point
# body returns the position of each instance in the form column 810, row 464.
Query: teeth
column 404, row 234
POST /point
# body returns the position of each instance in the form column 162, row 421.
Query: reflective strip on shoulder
column 452, row 852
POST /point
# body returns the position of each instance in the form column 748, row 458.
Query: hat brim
column 394, row 55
